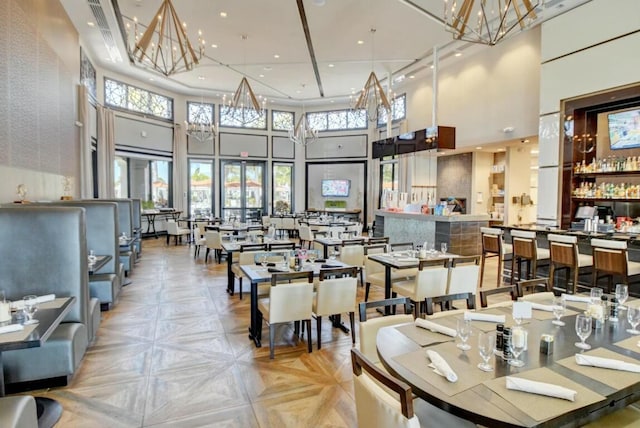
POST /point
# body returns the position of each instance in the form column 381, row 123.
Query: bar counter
column 461, row 232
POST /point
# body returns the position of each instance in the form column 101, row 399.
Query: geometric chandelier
column 372, row 98
column 302, row 133
column 164, row 46
column 487, row 21
column 199, row 123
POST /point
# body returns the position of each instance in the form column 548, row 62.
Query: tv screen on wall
column 333, row 188
column 624, row 129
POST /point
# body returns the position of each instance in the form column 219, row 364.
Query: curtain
column 86, row 169
column 106, row 152
column 374, row 189
column 179, row 169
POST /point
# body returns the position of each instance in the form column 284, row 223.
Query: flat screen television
column 624, row 129
column 336, row 188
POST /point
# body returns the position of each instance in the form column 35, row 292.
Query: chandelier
column 302, row 133
column 244, row 107
column 200, row 121
column 372, row 98
column 164, row 45
column 494, row 19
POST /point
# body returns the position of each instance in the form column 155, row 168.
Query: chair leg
column 361, row 277
column 576, row 275
column 259, row 333
column 240, row 285
column 168, row 237
column 206, row 256
column 513, row 267
column 482, row 270
column 366, row 291
column 552, row 271
column 309, row 347
column 500, row 267
column 272, row 333
column 352, row 316
column 319, row 331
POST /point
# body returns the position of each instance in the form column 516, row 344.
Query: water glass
column 486, row 343
column 312, row 255
column 443, row 248
column 518, row 345
column 263, row 260
column 463, row 329
column 622, row 294
column 583, row 330
column 92, row 257
column 633, row 316
column 559, row 308
column 596, row 294
column 30, row 308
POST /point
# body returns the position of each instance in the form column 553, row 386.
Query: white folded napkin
column 430, row 325
column 41, row 299
column 606, row 363
column 540, row 388
column 478, row 316
column 441, row 367
column 574, row 298
column 541, row 307
column 11, row 328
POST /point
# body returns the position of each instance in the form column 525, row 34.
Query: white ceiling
column 406, row 33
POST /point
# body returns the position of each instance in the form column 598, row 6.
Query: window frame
column 348, row 118
column 222, row 125
column 293, row 116
column 213, row 110
column 394, row 119
column 292, row 200
column 148, row 113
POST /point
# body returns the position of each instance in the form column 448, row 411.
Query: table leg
column 326, row 251
column 336, row 322
column 230, row 280
column 387, row 288
column 153, row 225
column 253, row 328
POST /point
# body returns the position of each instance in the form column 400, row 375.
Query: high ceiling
column 406, row 33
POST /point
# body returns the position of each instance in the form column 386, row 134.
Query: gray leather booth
column 18, row 412
column 43, row 250
column 137, row 225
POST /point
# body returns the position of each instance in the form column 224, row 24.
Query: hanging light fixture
column 302, row 133
column 372, row 97
column 164, row 46
column 244, row 107
column 494, row 19
column 200, row 121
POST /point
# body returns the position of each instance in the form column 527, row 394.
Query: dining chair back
column 282, row 246
column 378, row 240
column 335, row 231
column 306, row 236
column 404, row 246
column 375, row 407
column 610, row 258
column 176, row 231
column 535, row 290
column 464, row 275
column 564, row 255
column 369, row 327
column 493, row 245
column 525, row 249
column 353, row 255
column 447, row 301
column 512, row 290
column 430, row 280
column 336, row 294
column 213, row 241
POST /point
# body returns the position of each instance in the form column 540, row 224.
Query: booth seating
column 125, row 223
column 18, row 412
column 43, row 251
column 137, row 226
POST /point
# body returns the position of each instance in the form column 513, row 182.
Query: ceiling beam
column 312, row 55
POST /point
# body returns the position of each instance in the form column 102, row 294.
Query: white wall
column 577, row 63
column 481, row 204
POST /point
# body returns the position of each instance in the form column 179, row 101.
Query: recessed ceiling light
column 458, row 53
column 201, row 77
column 361, row 42
column 267, row 68
column 214, row 46
column 331, row 101
column 412, row 77
column 298, row 91
column 91, row 24
column 331, row 65
column 501, row 150
column 479, row 148
column 262, row 75
column 276, row 56
column 223, row 14
column 431, row 67
column 151, row 79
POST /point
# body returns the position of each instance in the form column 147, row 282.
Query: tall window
column 398, row 110
column 160, row 183
column 388, row 176
column 200, row 188
column 127, row 97
column 121, row 177
column 146, row 179
column 199, row 112
column 282, row 192
column 241, row 118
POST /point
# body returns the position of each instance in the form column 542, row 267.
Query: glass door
column 200, row 188
column 243, row 185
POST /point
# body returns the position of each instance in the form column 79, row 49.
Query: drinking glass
column 263, row 260
column 333, row 254
column 92, row 257
column 486, row 343
column 443, row 248
column 464, row 331
column 633, row 316
column 583, row 330
column 432, row 247
column 30, row 308
column 518, row 344
column 312, row 256
column 622, row 294
column 596, row 294
column 559, row 307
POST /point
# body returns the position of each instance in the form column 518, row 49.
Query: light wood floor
column 174, row 352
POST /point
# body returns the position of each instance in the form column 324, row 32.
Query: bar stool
column 609, row 259
column 525, row 248
column 565, row 255
column 493, row 246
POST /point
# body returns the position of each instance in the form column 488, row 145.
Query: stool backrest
column 491, row 240
column 524, row 244
column 610, row 256
column 563, row 249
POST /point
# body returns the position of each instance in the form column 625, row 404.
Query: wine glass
column 633, row 316
column 443, row 248
column 517, row 345
column 263, row 260
column 486, row 343
column 30, row 308
column 312, row 256
column 92, row 257
column 583, row 330
column 622, row 294
column 333, row 254
column 464, row 331
column 596, row 294
column 559, row 307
